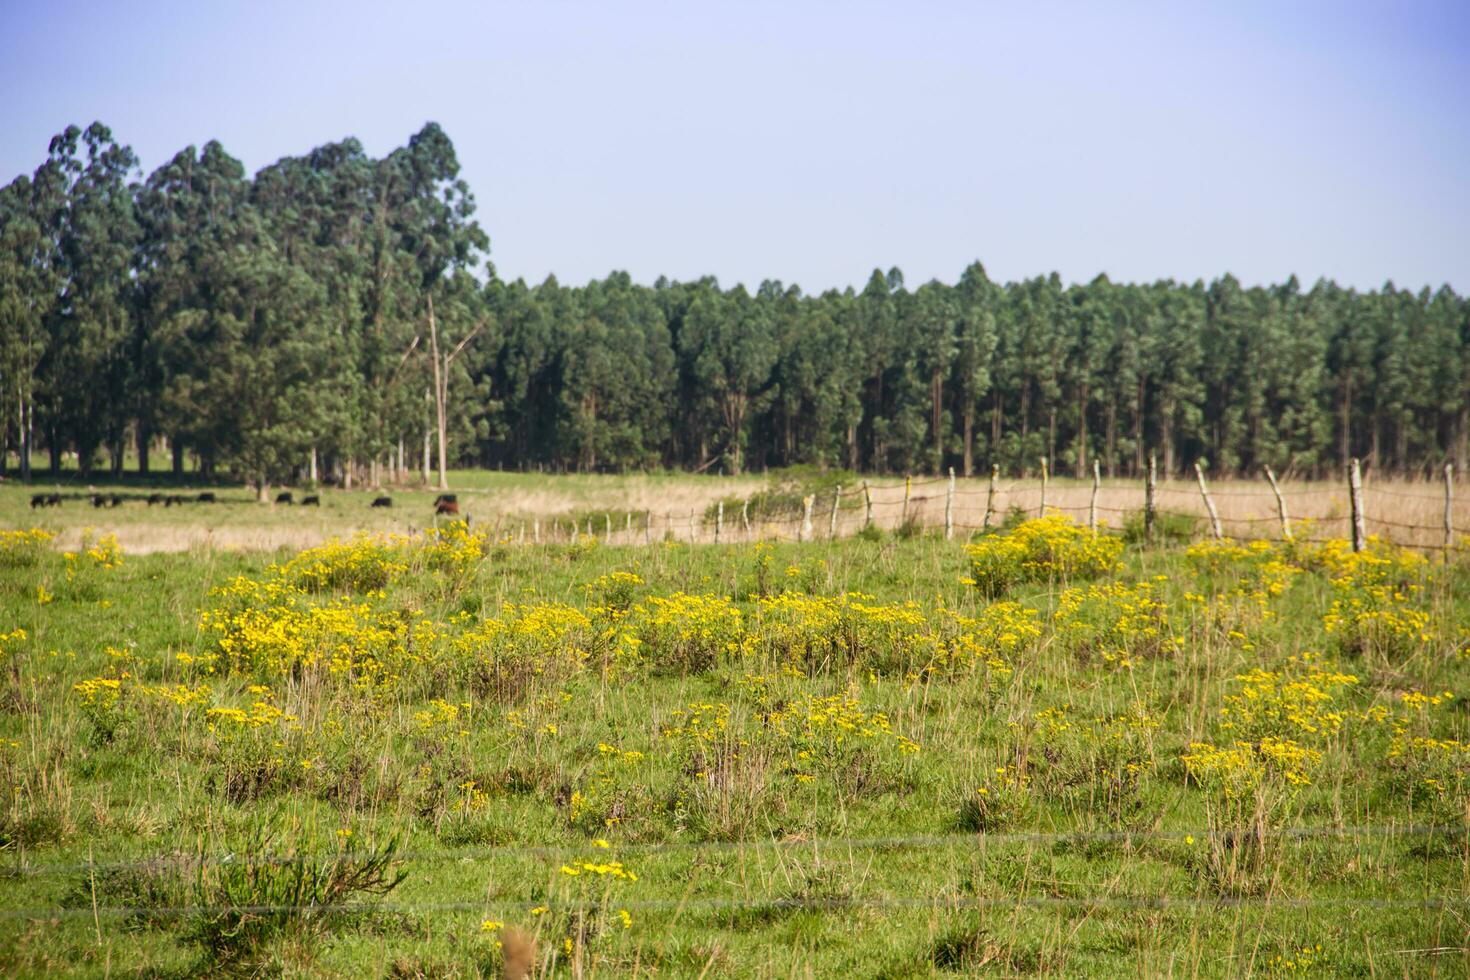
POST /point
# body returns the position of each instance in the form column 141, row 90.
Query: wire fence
column 890, row 843
column 1421, row 516
column 975, row 841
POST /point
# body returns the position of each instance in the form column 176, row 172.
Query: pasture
column 455, row 752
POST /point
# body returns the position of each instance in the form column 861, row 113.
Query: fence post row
column 990, row 496
column 1204, row 491
column 1092, row 505
column 1280, row 504
column 949, row 508
column 1355, row 493
column 1148, row 500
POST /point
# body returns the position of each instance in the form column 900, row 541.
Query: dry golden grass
column 1407, row 512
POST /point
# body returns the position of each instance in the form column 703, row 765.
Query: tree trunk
column 969, row 439
column 25, row 440
column 1138, row 426
column 441, row 395
column 145, row 438
column 1166, row 436
column 1112, row 436
column 426, row 457
column 178, row 454
column 263, row 494
column 937, row 393
column 1082, row 432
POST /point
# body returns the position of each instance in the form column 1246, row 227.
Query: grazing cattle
column 46, row 500
column 98, row 500
column 447, row 507
column 311, row 500
column 285, row 497
column 115, row 500
column 446, row 498
column 155, row 498
column 173, row 500
column 383, row 502
column 205, row 498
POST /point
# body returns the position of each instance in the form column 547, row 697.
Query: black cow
column 284, row 497
column 205, row 498
column 115, row 500
column 173, row 500
column 311, row 500
column 383, row 502
column 155, row 498
column 46, row 500
column 98, row 500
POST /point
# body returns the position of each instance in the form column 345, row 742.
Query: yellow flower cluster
column 1299, row 701
column 363, row 564
column 1051, row 548
column 1239, row 769
column 1115, row 622
column 23, row 549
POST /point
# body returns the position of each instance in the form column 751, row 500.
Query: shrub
column 1044, row 549
column 23, row 549
column 1169, row 527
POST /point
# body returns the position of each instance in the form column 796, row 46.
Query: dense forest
column 337, row 314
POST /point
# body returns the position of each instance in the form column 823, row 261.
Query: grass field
column 680, row 506
column 446, row 754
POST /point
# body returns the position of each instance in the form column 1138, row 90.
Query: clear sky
column 812, row 142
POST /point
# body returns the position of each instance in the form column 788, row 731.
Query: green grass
column 882, row 865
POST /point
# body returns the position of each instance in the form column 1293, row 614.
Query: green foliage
column 1170, row 527
column 254, row 321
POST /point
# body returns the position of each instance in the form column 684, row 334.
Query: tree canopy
column 339, row 308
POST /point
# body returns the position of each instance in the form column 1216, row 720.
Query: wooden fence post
column 949, row 508
column 648, row 528
column 693, row 529
column 868, row 505
column 745, row 516
column 1355, row 493
column 990, row 496
column 836, row 502
column 908, row 486
column 536, row 530
column 1148, row 500
column 719, row 520
column 1280, row 505
column 669, row 525
column 1204, row 491
column 1449, row 517
column 1092, row 505
column 628, row 526
column 806, row 517
column 1041, row 510
column 608, row 524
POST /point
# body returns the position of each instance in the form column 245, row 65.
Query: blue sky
column 812, row 142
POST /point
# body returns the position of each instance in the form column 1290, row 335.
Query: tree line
column 336, row 315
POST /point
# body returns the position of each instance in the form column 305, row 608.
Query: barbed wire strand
column 909, row 842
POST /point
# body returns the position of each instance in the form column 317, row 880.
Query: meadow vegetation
column 1036, row 751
